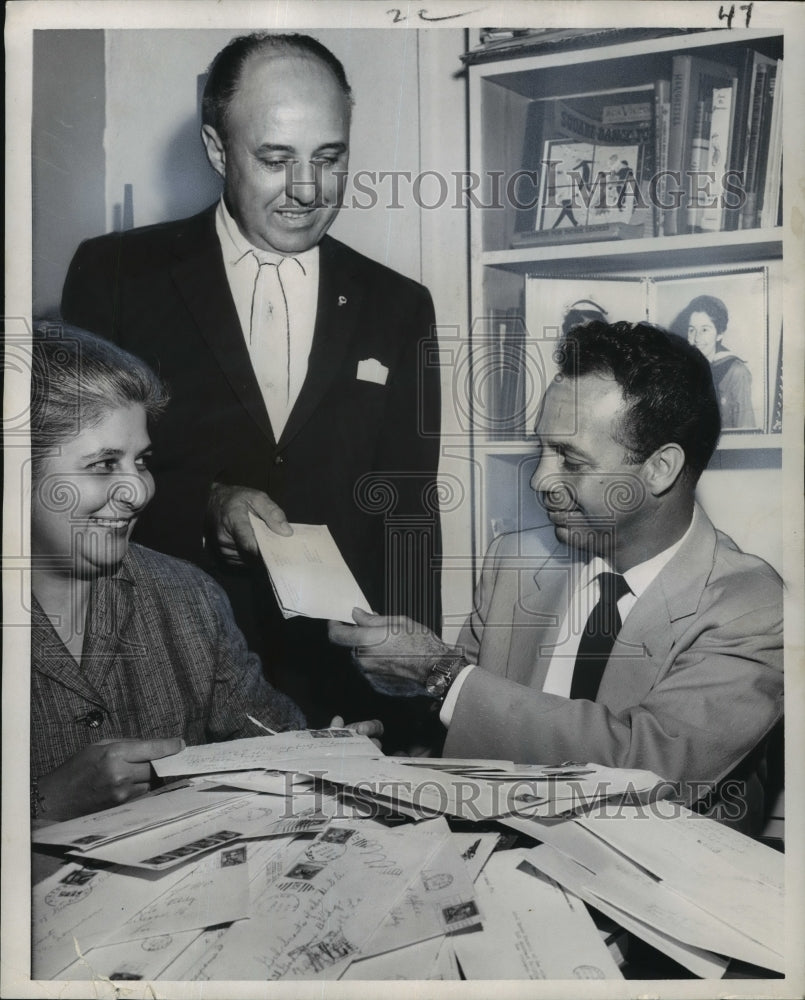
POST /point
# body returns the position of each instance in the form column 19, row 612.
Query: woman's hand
column 371, row 728
column 101, row 775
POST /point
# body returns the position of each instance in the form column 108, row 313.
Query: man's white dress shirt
column 583, row 599
column 276, row 306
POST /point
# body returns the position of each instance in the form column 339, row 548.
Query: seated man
column 639, row 636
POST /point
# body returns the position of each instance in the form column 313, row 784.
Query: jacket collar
column 655, row 622
column 199, row 275
column 111, row 606
column 201, row 279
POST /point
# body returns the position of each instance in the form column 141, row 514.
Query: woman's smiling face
column 87, row 497
column 702, row 333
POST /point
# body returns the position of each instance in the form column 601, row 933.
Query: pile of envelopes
column 309, row 855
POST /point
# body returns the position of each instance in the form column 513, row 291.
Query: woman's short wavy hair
column 77, row 377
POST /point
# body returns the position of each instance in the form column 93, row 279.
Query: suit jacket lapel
column 340, row 295
column 657, row 619
column 201, row 279
column 49, row 656
column 537, row 624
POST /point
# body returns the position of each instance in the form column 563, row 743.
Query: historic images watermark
column 474, row 800
column 520, row 189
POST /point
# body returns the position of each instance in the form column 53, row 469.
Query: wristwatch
column 443, row 671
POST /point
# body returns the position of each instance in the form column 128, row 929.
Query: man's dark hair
column 225, row 71
column 666, row 382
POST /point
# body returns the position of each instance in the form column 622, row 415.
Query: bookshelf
column 504, row 89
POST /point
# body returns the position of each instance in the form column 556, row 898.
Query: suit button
column 278, row 460
column 93, row 719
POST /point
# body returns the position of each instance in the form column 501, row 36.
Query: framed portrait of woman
column 725, row 314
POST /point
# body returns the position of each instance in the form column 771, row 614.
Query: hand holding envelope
column 389, row 646
column 230, row 510
column 307, row 572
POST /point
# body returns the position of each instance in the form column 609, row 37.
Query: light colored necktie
column 270, row 339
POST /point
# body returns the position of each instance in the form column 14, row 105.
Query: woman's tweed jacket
column 162, row 657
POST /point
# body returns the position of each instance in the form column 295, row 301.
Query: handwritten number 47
column 728, row 15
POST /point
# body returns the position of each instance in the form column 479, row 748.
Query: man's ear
column 662, row 469
column 216, row 152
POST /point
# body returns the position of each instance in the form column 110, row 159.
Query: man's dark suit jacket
column 355, row 454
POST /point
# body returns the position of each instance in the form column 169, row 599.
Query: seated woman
column 134, row 653
column 704, row 321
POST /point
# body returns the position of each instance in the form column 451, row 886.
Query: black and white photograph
column 403, row 517
column 725, row 315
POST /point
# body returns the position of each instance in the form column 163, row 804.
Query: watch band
column 443, row 671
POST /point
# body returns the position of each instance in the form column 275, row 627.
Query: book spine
column 772, row 196
column 748, row 213
column 711, row 216
column 699, row 148
column 764, row 142
column 680, row 100
column 732, row 214
column 662, row 128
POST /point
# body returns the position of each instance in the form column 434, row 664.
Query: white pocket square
column 370, row 370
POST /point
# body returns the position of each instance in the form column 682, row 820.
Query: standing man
column 631, row 633
column 293, row 363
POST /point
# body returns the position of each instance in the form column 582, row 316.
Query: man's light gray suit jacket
column 693, row 684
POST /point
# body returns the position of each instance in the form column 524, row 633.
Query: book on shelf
column 699, row 150
column 711, row 210
column 593, row 157
column 662, row 133
column 693, row 81
column 764, row 73
column 776, row 422
column 501, row 371
column 697, row 164
column 743, row 110
column 771, row 205
column 580, row 234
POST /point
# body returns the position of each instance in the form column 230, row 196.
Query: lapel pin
column 342, row 300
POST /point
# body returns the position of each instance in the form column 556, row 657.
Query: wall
column 143, row 130
column 67, row 161
column 136, row 123
column 152, row 135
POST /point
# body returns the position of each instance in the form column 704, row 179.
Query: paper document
column 416, row 961
column 615, row 879
column 258, row 753
column 308, row 572
column 313, row 920
column 577, row 878
column 145, row 959
column 214, row 891
column 737, row 879
column 176, row 843
column 532, row 930
column 135, row 816
column 440, row 901
column 77, row 907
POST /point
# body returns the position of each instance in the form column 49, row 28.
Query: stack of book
column 500, row 371
column 720, row 128
column 699, row 151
